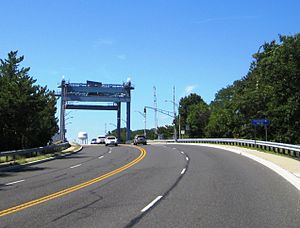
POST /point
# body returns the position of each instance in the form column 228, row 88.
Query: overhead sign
column 264, row 122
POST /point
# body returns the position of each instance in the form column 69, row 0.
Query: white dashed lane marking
column 15, row 182
column 151, row 204
column 75, row 166
column 183, row 171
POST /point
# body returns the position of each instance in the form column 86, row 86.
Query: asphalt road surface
column 158, row 186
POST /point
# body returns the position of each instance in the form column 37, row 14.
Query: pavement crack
column 79, row 210
column 137, row 219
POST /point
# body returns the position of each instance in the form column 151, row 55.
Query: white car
column 100, row 139
column 111, row 140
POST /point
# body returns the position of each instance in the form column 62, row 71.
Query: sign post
column 262, row 122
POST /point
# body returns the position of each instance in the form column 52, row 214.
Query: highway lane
column 173, row 186
column 126, row 192
column 222, row 189
column 45, row 178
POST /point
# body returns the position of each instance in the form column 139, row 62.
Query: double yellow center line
column 74, row 188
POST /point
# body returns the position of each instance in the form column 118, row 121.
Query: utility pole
column 144, row 116
column 145, row 111
column 155, row 109
column 174, row 111
column 62, row 111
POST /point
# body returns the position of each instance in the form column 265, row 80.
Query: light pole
column 144, row 116
column 177, row 105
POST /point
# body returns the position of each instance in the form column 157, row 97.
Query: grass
column 23, row 160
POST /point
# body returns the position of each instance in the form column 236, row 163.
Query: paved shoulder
column 286, row 167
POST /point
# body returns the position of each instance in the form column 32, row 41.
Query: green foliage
column 166, row 132
column 27, row 110
column 194, row 112
column 270, row 90
column 150, row 133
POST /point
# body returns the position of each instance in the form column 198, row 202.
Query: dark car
column 139, row 139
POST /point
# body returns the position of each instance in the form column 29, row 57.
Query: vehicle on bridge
column 111, row 140
column 101, row 139
column 139, row 139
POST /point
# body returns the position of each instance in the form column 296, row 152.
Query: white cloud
column 189, row 89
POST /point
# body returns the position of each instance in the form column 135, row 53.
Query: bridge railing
column 282, row 148
column 16, row 154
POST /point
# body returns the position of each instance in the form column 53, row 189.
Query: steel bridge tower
column 95, row 92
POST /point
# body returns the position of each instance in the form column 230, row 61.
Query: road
column 163, row 186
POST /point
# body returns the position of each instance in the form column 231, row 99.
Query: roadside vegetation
column 270, row 90
column 27, row 110
column 23, row 159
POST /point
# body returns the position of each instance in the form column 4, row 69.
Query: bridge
column 98, row 92
column 164, row 184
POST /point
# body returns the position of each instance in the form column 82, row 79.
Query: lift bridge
column 72, row 94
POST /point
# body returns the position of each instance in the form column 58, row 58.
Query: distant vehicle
column 94, row 141
column 111, row 140
column 100, row 139
column 139, row 139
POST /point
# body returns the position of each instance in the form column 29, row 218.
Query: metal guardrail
column 282, row 148
column 34, row 151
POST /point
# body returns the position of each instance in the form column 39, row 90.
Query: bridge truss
column 81, row 95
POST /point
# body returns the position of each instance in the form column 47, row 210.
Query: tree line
column 27, row 110
column 270, row 90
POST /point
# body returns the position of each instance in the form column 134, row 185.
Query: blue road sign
column 264, row 122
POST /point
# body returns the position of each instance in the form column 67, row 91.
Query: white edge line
column 151, row 204
column 101, row 157
column 282, row 172
column 182, row 152
column 75, row 166
column 277, row 169
column 187, row 158
column 15, row 182
column 183, row 171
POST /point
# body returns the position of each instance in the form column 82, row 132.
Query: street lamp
column 177, row 105
column 144, row 116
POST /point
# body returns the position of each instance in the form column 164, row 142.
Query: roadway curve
column 172, row 186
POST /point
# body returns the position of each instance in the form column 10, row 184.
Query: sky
column 196, row 46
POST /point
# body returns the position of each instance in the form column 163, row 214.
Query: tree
column 270, row 90
column 167, row 131
column 27, row 110
column 194, row 112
